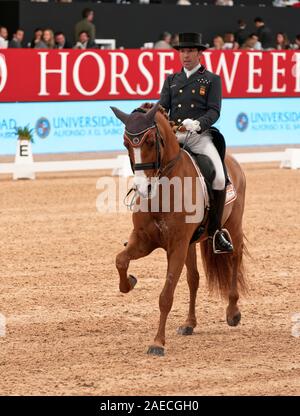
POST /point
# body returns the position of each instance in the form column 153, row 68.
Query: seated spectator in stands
column 183, row 3
column 264, row 34
column 164, row 41
column 17, row 39
column 229, row 41
column 224, row 3
column 252, row 43
column 284, row 3
column 296, row 45
column 282, row 41
column 242, row 33
column 218, row 43
column 37, row 37
column 47, row 41
column 86, row 25
column 174, row 40
column 61, row 41
column 3, row 37
column 85, row 42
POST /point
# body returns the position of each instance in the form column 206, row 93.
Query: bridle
column 137, row 140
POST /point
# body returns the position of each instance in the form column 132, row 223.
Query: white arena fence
column 290, row 158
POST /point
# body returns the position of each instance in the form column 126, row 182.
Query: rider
column 193, row 99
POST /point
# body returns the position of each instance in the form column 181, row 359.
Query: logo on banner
column 3, row 72
column 42, row 127
column 242, row 122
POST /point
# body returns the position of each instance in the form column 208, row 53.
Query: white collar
column 192, row 71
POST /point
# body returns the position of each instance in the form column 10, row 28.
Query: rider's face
column 189, row 57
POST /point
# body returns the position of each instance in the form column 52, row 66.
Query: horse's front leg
column 176, row 259
column 138, row 246
column 193, row 282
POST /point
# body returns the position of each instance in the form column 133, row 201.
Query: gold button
column 179, row 105
column 180, row 91
column 192, row 105
column 193, row 91
column 179, row 120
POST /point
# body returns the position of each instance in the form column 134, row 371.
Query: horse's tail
column 218, row 269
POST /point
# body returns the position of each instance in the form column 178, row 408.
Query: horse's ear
column 151, row 113
column 120, row 115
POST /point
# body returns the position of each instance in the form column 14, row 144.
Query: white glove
column 191, row 125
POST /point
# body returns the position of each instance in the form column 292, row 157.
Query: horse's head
column 145, row 146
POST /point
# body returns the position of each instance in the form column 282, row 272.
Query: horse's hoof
column 185, row 330
column 235, row 320
column 153, row 350
column 132, row 281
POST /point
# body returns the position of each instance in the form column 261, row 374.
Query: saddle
column 207, row 171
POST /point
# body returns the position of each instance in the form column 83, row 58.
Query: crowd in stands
column 84, row 35
column 276, row 3
column 260, row 37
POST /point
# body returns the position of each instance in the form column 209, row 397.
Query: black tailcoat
column 197, row 97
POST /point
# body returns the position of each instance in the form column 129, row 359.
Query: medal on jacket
column 202, row 90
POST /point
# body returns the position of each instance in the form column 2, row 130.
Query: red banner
column 70, row 75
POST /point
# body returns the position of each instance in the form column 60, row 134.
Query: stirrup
column 225, row 231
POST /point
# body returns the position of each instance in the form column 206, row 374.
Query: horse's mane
column 148, row 106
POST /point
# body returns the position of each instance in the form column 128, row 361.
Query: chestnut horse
column 154, row 152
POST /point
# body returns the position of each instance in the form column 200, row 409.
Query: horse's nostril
column 149, row 188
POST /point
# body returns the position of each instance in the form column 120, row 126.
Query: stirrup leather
column 225, row 231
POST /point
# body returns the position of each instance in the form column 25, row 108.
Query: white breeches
column 202, row 144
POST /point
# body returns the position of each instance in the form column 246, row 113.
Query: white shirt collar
column 192, row 71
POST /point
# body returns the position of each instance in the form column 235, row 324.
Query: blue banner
column 92, row 126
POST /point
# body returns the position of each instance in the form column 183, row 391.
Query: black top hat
column 190, row 40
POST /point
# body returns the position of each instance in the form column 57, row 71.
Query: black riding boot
column 221, row 238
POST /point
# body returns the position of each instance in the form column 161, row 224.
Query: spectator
column 183, row 3
column 3, row 37
column 84, row 41
column 218, row 43
column 164, row 41
column 264, row 34
column 242, row 33
column 282, row 41
column 37, row 37
column 229, row 41
column 224, row 3
column 284, row 3
column 61, row 41
column 297, row 42
column 17, row 39
column 174, row 40
column 86, row 25
column 47, row 41
column 252, row 43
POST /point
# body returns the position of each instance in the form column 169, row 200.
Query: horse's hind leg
column 233, row 314
column 193, row 282
column 136, row 248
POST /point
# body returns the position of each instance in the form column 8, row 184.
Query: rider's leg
column 202, row 144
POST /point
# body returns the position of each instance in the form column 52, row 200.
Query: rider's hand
column 191, row 125
column 181, row 129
